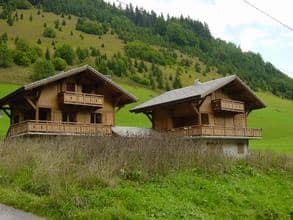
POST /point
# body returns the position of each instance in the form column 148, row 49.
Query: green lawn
column 276, row 120
column 277, row 123
column 242, row 194
column 4, row 121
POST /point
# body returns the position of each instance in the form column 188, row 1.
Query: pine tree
column 47, row 55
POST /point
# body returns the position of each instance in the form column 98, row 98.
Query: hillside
column 130, row 43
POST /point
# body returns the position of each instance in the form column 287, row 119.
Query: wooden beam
column 7, row 113
column 195, row 108
column 149, row 117
column 30, row 102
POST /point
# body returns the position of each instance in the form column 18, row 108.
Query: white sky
column 235, row 21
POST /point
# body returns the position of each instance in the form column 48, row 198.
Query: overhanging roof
column 131, row 98
column 196, row 91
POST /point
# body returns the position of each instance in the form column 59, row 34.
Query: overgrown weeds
column 52, row 166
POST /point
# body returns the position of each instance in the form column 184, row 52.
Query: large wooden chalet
column 216, row 109
column 80, row 101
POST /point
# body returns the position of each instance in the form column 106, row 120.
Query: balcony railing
column 217, row 131
column 228, row 105
column 58, row 128
column 81, row 99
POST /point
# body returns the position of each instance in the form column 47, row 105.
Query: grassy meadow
column 117, row 178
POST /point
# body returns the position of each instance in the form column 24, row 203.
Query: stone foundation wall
column 229, row 147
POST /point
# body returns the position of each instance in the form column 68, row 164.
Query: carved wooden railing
column 51, row 127
column 83, row 99
column 228, row 105
column 206, row 130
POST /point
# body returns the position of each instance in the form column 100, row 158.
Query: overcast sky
column 235, row 21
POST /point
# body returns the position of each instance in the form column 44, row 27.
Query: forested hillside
column 153, row 47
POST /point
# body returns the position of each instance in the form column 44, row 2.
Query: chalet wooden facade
column 80, row 101
column 217, row 109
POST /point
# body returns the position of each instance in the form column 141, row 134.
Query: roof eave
column 144, row 109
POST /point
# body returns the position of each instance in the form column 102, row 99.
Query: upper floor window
column 70, row 87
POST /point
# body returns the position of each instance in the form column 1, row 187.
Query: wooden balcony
column 57, row 128
column 228, row 105
column 216, row 131
column 81, row 99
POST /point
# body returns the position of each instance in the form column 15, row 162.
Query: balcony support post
column 7, row 113
column 31, row 103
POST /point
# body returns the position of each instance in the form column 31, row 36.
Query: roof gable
column 196, row 91
column 128, row 98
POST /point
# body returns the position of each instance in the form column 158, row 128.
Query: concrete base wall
column 229, row 147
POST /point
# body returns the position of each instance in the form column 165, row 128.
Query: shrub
column 136, row 78
column 49, row 32
column 42, row 69
column 24, row 54
column 65, row 52
column 5, row 55
column 59, row 64
column 21, row 4
column 90, row 27
column 138, row 49
column 82, row 54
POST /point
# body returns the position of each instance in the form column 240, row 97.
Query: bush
column 5, row 55
column 42, row 69
column 21, row 4
column 24, row 54
column 82, row 54
column 49, row 32
column 90, row 27
column 138, row 49
column 66, row 53
column 59, row 64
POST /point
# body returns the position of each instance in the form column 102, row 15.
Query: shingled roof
column 66, row 74
column 197, row 91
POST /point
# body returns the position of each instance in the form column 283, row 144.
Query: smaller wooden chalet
column 80, row 101
column 214, row 109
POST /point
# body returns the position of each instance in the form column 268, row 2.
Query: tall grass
column 48, row 166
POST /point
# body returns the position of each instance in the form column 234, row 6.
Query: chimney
column 108, row 76
column 197, row 82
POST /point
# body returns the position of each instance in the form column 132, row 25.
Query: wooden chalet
column 214, row 109
column 80, row 101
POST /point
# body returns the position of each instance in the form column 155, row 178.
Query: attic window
column 70, row 87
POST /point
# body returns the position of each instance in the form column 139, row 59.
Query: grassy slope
column 276, row 120
column 243, row 193
column 277, row 123
column 4, row 121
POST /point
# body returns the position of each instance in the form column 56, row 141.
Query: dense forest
column 139, row 29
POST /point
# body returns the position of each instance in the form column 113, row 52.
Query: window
column 45, row 114
column 70, row 87
column 68, row 116
column 96, row 118
column 86, row 89
column 205, row 118
column 240, row 148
